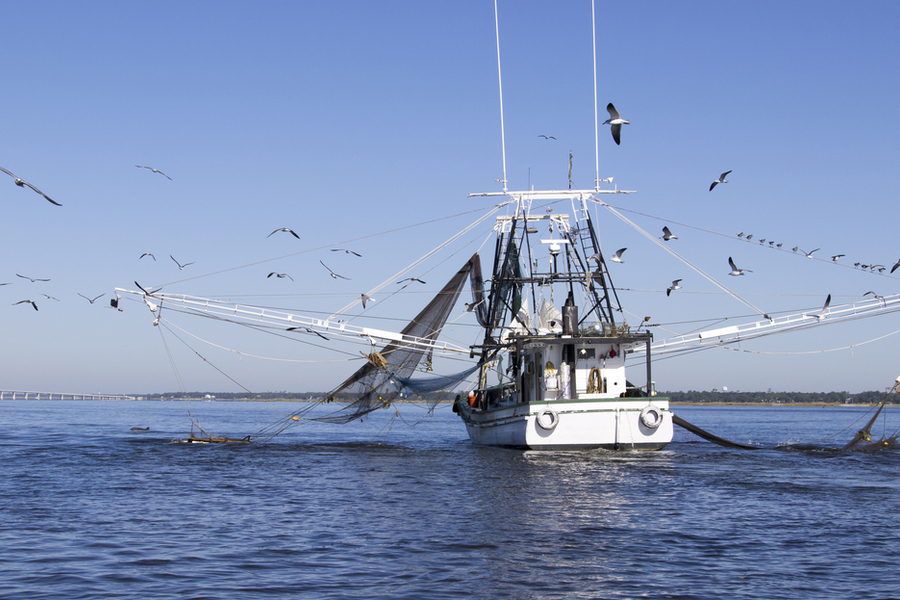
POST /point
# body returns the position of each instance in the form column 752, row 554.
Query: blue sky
column 343, row 120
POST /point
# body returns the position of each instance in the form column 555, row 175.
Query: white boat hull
column 613, row 424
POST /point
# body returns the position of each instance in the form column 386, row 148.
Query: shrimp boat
column 553, row 343
column 556, row 379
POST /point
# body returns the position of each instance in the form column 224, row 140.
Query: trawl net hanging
column 378, row 382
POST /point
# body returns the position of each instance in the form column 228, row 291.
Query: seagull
column 616, row 121
column 824, row 308
column 146, row 293
column 22, row 183
column 617, row 257
column 721, row 179
column 154, row 170
column 279, row 275
column 91, row 300
column 180, row 266
column 411, row 279
column 7, row 283
column 347, row 251
column 307, row 329
column 363, row 298
column 667, row 235
column 795, row 248
column 809, row 254
column 675, row 286
column 50, row 297
column 547, row 137
column 896, row 264
column 31, row 302
column 734, row 270
column 287, row 229
column 836, row 257
column 146, row 254
column 33, row 279
column 333, row 274
column 471, row 306
column 762, row 240
column 874, row 295
column 749, row 237
column 741, row 234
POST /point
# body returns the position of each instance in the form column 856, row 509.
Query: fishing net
column 388, row 372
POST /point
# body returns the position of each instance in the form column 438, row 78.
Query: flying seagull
column 824, row 308
column 145, row 291
column 307, row 329
column 734, row 270
column 91, row 300
column 721, row 179
column 364, row 298
column 287, row 229
column 22, row 183
column 33, row 279
column 617, row 257
column 809, row 254
column 279, row 275
column 180, row 266
column 896, row 264
column 347, row 251
column 154, row 170
column 616, row 122
column 50, row 297
column 333, row 274
column 411, row 279
column 146, row 254
column 471, row 306
column 667, row 235
column 675, row 286
column 836, row 257
column 31, row 302
column 547, row 137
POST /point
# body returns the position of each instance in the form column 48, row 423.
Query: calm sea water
column 90, row 509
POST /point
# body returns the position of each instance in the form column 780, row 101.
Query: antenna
column 500, row 81
column 596, row 118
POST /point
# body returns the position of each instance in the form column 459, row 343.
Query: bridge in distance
column 30, row 395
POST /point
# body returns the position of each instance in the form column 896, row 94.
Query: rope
column 668, row 249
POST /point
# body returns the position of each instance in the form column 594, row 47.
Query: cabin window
column 587, row 353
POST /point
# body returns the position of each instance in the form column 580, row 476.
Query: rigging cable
column 702, row 273
column 427, row 255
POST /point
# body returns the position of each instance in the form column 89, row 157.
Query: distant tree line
column 770, row 397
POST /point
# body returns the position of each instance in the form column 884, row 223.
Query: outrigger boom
column 286, row 320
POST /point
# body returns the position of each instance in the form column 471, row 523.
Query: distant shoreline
column 671, row 403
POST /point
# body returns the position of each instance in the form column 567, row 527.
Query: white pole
column 596, row 118
column 500, row 81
